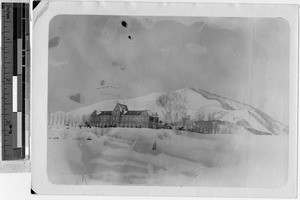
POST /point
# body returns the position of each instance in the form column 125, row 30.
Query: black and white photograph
column 168, row 101
column 164, row 99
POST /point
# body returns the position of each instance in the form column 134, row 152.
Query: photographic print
column 168, row 101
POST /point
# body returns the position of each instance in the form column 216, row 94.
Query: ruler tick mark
column 12, row 17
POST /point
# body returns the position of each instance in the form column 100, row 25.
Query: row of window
column 102, row 125
column 103, row 118
column 153, row 119
column 124, row 118
column 131, row 125
column 134, row 118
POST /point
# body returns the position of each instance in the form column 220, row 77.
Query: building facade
column 205, row 127
column 120, row 116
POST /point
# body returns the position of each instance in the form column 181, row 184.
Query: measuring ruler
column 15, row 80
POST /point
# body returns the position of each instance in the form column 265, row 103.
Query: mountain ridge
column 197, row 104
column 265, row 116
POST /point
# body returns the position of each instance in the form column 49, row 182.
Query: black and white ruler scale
column 15, row 80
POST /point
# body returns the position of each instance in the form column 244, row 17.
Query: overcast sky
column 95, row 58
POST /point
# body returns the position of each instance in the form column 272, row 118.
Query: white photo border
column 49, row 9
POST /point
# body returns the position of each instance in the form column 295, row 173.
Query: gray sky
column 95, row 58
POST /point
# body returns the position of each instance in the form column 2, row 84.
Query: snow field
column 127, row 156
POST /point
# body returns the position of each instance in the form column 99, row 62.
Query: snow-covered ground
column 132, row 156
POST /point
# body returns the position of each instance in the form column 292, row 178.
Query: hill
column 195, row 104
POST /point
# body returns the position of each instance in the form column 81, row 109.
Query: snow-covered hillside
column 270, row 124
column 189, row 102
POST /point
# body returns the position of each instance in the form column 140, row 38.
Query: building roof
column 152, row 114
column 105, row 113
column 127, row 112
column 134, row 112
column 123, row 106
